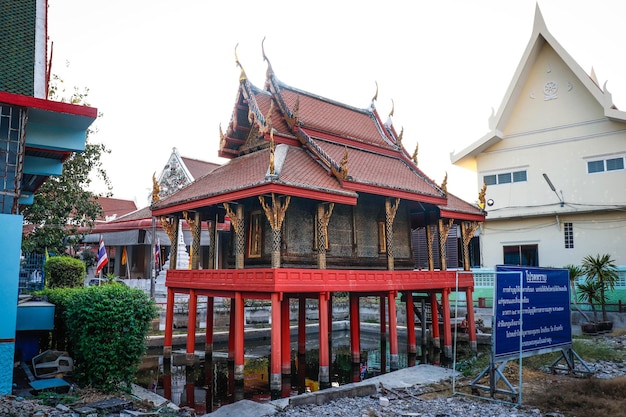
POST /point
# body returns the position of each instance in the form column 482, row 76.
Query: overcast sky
column 163, row 73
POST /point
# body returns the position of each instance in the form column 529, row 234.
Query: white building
column 553, row 163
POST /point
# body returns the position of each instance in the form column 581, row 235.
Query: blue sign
column 532, row 310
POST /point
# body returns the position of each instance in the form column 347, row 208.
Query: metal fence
column 32, row 274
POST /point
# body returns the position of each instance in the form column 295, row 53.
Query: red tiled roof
column 456, row 208
column 247, row 171
column 198, row 168
column 315, row 131
column 382, row 170
column 339, row 119
column 115, row 206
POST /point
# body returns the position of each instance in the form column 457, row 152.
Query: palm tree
column 575, row 272
column 601, row 269
column 589, row 292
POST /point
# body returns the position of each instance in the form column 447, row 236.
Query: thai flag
column 103, row 259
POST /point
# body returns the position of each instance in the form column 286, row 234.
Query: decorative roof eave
column 461, row 215
column 538, row 39
column 267, row 188
column 393, row 192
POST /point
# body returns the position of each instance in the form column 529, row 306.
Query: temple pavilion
column 321, row 198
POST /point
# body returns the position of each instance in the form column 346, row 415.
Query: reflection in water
column 207, row 385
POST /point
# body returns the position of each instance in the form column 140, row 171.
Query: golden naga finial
column 399, row 139
column 270, row 71
column 344, row 163
column 376, row 94
column 222, row 138
column 481, row 196
column 156, row 189
column 242, row 76
column 414, row 156
column 296, row 110
column 393, row 106
column 444, row 184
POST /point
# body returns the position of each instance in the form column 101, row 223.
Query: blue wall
column 10, row 244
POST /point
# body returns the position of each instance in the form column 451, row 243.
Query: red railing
column 268, row 280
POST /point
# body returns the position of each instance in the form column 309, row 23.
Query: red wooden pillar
column 208, row 341
column 275, row 378
column 410, row 323
column 191, row 327
column 231, row 331
column 169, row 324
column 434, row 312
column 285, row 348
column 393, row 333
column 355, row 329
column 239, row 337
column 302, row 325
column 383, row 335
column 447, row 323
column 324, row 360
column 471, row 322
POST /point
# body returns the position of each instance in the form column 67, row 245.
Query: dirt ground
column 570, row 395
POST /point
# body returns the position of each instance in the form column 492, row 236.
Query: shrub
column 58, row 339
column 107, row 326
column 64, row 271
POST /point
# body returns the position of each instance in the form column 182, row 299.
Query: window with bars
column 506, row 177
column 568, row 234
column 602, row 165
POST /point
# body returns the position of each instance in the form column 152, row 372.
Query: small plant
column 601, row 270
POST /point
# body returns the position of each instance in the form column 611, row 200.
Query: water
column 207, row 385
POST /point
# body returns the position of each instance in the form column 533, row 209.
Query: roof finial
column 414, row 156
column 376, row 94
column 481, row 196
column 344, row 164
column 156, row 188
column 270, row 72
column 393, row 106
column 399, row 139
column 444, row 184
column 242, row 76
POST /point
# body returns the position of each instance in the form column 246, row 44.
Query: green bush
column 58, row 339
column 64, row 271
column 107, row 326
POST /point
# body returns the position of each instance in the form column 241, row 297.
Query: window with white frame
column 602, row 165
column 506, row 177
column 568, row 234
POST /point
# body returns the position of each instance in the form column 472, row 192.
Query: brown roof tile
column 198, row 168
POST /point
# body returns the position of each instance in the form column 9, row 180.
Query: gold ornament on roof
column 242, row 76
column 481, row 196
column 399, row 139
column 376, row 94
column 344, row 164
column 270, row 72
column 156, row 188
column 414, row 156
column 444, row 184
column 222, row 138
column 393, row 107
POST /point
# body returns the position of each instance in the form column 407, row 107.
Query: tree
column 64, row 204
column 575, row 272
column 589, row 292
column 601, row 270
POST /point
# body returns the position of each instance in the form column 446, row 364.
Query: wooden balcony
column 287, row 280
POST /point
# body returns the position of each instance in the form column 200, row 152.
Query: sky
column 163, row 73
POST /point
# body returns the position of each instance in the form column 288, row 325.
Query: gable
column 551, row 95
